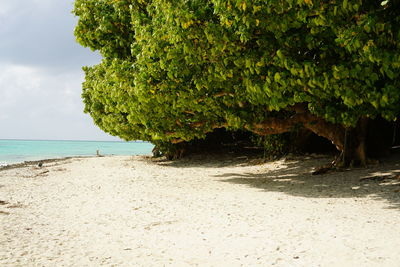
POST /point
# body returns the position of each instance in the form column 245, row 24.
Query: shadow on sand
column 294, row 177
column 209, row 160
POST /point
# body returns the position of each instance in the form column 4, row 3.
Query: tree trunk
column 354, row 153
column 361, row 152
column 350, row 142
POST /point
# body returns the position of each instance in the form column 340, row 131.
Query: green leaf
column 279, row 54
column 344, row 4
column 277, row 77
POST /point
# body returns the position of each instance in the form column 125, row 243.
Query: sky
column 41, row 73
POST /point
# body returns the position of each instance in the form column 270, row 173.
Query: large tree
column 175, row 70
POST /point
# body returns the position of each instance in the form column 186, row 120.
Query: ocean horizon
column 20, row 150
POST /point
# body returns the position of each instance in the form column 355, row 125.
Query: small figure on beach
column 40, row 165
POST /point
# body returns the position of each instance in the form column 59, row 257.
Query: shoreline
column 18, row 151
column 208, row 211
column 29, row 163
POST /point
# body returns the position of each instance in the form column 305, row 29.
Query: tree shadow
column 208, row 160
column 294, row 177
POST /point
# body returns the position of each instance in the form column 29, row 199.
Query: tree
column 174, row 71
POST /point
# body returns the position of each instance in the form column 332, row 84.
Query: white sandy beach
column 133, row 211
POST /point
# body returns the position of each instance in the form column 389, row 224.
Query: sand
column 134, row 211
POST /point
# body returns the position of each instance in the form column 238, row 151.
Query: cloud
column 40, row 33
column 5, row 8
column 40, row 73
column 36, row 104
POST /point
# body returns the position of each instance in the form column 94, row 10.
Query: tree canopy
column 175, row 70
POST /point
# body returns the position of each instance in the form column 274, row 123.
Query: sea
column 18, row 151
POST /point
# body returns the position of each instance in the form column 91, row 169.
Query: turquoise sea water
column 15, row 151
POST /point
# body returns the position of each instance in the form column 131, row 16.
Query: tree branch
column 333, row 132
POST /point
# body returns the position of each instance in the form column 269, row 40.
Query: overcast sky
column 41, row 73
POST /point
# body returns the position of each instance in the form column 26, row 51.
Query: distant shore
column 207, row 211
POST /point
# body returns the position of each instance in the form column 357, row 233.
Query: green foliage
column 274, row 145
column 170, row 151
column 178, row 69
